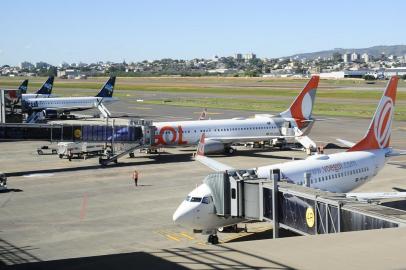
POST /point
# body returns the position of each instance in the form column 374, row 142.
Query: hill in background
column 375, row 51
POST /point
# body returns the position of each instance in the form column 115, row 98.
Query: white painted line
column 38, row 175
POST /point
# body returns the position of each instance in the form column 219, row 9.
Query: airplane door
column 287, row 129
column 376, row 165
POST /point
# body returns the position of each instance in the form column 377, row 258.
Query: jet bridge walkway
column 306, row 211
column 135, row 135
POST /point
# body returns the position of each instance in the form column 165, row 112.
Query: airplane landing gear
column 213, row 239
column 230, row 150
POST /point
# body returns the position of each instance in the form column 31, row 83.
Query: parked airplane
column 40, row 108
column 44, row 92
column 294, row 123
column 339, row 172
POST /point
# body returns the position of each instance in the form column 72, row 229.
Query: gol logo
column 383, row 121
column 174, row 137
column 310, row 217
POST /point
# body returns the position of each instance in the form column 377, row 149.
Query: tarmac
column 63, row 215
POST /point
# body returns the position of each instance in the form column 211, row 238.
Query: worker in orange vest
column 135, row 177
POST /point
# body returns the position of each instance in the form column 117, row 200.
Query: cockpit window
column 188, row 199
column 206, row 200
column 195, row 199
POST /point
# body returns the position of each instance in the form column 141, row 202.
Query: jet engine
column 213, row 147
column 50, row 114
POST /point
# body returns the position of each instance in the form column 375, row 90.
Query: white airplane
column 39, row 108
column 44, row 92
column 221, row 134
column 339, row 172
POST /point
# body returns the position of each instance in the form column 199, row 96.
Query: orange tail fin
column 301, row 109
column 380, row 129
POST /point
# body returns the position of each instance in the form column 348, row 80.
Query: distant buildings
column 354, row 64
column 365, row 57
column 250, row 56
column 346, row 57
column 42, row 65
column 69, row 73
column 26, row 65
column 355, row 57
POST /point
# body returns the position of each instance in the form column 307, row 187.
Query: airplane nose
column 182, row 216
column 178, row 215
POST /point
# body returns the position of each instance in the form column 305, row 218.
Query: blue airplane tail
column 46, row 88
column 108, row 88
column 23, row 87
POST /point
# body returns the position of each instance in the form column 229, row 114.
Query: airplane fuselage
column 340, row 172
column 189, row 132
column 35, row 96
column 65, row 103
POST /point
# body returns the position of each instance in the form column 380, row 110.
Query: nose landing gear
column 213, row 239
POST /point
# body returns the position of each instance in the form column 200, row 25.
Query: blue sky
column 88, row 31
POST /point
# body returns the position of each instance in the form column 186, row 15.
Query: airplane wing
column 346, row 143
column 209, row 162
column 245, row 138
column 373, row 196
column 213, row 164
column 299, row 137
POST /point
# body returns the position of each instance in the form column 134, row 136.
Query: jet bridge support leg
column 275, row 177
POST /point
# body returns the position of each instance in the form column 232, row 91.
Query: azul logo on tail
column 23, row 87
column 108, row 88
column 379, row 131
column 46, row 88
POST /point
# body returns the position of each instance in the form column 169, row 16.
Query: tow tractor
column 47, row 150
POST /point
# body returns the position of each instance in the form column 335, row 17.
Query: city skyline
column 95, row 31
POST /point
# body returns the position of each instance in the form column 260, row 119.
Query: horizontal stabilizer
column 396, row 153
column 346, row 143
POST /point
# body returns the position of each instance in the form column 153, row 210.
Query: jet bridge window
column 233, row 193
column 196, row 199
column 206, row 200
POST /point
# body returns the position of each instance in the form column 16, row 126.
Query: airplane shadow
column 11, row 190
column 257, row 153
column 398, row 165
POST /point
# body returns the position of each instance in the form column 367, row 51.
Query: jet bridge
column 306, row 211
column 119, row 139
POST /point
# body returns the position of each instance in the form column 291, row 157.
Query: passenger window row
column 224, row 129
column 339, row 175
